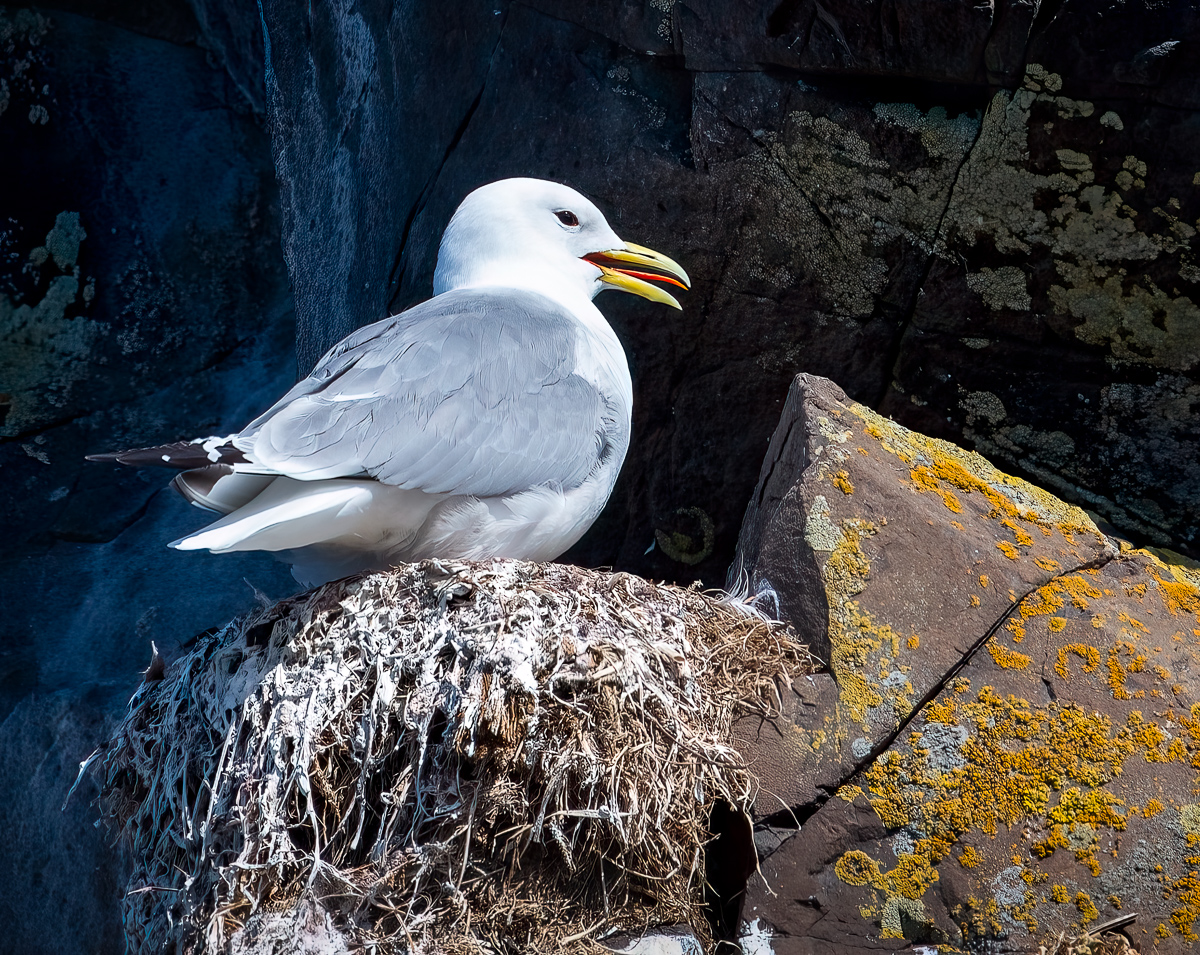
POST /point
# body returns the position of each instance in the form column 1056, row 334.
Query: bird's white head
column 545, row 237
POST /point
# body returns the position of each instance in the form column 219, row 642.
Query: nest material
column 498, row 756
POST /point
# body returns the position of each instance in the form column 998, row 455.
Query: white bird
column 488, row 421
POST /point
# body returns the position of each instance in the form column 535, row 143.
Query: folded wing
column 472, row 392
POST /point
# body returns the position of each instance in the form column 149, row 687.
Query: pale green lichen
column 834, row 201
column 43, row 350
column 983, row 404
column 820, row 533
column 1087, row 228
column 1003, row 287
column 1189, row 819
column 1140, row 323
column 685, row 547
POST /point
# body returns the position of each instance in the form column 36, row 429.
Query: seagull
column 489, row 421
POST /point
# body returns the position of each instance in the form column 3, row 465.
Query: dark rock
column 1061, row 338
column 825, row 173
column 62, row 882
column 142, row 298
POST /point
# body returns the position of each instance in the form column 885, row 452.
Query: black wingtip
column 181, row 455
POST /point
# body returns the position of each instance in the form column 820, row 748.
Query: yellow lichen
column 969, row 858
column 1087, row 908
column 966, row 472
column 841, row 480
column 1057, row 624
column 1047, row 563
column 1059, row 894
column 1006, row 658
column 857, row 868
column 1008, row 550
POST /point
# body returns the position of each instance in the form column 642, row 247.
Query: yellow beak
column 632, row 268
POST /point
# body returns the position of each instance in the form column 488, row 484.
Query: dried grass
column 449, row 758
column 1102, row 939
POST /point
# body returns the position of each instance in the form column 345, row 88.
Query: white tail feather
column 286, row 515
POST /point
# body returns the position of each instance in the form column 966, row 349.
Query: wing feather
column 472, row 392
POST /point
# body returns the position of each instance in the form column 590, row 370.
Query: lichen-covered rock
column 1059, row 331
column 895, row 554
column 1010, row 723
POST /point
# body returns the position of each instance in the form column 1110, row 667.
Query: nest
column 449, row 757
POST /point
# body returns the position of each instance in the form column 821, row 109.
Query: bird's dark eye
column 567, row 218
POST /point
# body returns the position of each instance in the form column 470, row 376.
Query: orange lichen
column 1093, row 807
column 1090, row 656
column 1019, row 533
column 1044, row 600
column 841, row 481
column 1132, row 624
column 974, row 600
column 913, row 642
column 1047, row 563
column 1153, row 808
column 1078, row 590
column 1116, row 672
column 944, row 468
column 925, row 480
column 1008, row 550
column 969, row 858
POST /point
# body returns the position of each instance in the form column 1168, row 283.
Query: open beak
column 634, row 267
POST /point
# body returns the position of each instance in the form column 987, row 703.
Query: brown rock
column 894, row 555
column 1036, row 771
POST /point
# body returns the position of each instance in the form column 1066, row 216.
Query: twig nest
column 448, row 757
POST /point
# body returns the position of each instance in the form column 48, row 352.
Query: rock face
column 967, row 215
column 977, row 218
column 1006, row 743
column 142, row 298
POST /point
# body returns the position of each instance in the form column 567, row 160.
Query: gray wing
column 471, row 392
